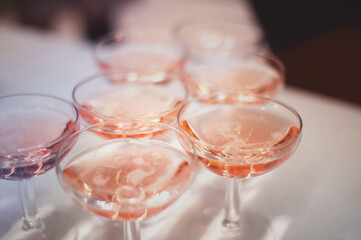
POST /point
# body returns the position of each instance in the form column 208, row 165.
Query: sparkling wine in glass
column 239, row 138
column 32, row 127
column 128, row 179
column 147, row 56
column 261, row 74
column 102, row 99
column 227, row 56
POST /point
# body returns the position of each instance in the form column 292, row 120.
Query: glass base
column 54, row 225
column 209, row 225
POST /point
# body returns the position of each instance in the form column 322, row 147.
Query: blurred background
column 319, row 41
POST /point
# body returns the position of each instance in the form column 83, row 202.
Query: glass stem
column 131, row 230
column 30, row 211
column 232, row 209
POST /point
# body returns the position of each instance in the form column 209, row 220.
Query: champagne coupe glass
column 127, row 179
column 123, row 96
column 32, row 127
column 139, row 54
column 239, row 137
column 261, row 74
column 218, row 37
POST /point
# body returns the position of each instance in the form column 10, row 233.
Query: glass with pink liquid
column 32, row 127
column 227, row 56
column 127, row 97
column 245, row 72
column 127, row 179
column 239, row 137
column 139, row 54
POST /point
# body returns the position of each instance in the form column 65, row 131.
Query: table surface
column 314, row 195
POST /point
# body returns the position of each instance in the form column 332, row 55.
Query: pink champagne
column 240, row 143
column 28, row 144
column 251, row 76
column 148, row 60
column 142, row 101
column 145, row 61
column 127, row 179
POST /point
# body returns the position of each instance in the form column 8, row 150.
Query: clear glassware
column 32, row 127
column 127, row 179
column 123, row 96
column 261, row 74
column 227, row 55
column 218, row 37
column 138, row 53
column 239, row 137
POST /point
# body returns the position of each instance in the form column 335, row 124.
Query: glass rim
column 255, row 96
column 104, row 76
column 95, row 126
column 233, row 20
column 265, row 57
column 54, row 141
